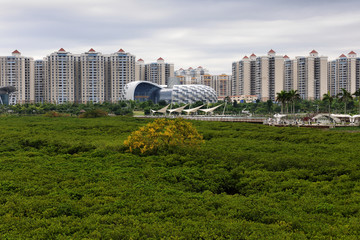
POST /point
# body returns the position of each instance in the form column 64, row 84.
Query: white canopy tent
column 163, row 110
column 278, row 117
column 178, row 110
column 192, row 110
column 210, row 110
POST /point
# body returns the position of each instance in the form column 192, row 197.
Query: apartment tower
column 93, row 79
column 344, row 73
column 18, row 71
column 122, row 71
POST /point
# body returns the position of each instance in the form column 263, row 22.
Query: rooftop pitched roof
column 313, row 51
column 16, row 52
column 91, row 50
column 286, row 56
column 271, row 51
column 160, row 58
column 121, row 50
column 253, row 55
column 342, row 55
column 140, row 60
column 62, row 50
column 245, row 57
column 352, row 52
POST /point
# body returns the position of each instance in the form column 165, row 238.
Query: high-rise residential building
column 39, row 79
column 344, row 73
column 122, row 71
column 243, row 76
column 62, row 80
column 159, row 72
column 18, row 71
column 140, row 70
column 289, row 73
column 311, row 76
column 93, row 79
column 269, row 76
column 220, row 83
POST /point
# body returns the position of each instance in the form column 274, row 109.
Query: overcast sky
column 187, row 33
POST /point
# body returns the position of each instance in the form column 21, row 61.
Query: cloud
column 188, row 33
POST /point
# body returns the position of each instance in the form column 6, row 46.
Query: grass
column 64, row 178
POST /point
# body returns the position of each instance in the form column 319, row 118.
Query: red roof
column 253, row 55
column 352, row 52
column 121, row 50
column 181, row 69
column 91, row 50
column 199, row 66
column 140, row 60
column 245, row 57
column 160, row 59
column 313, row 51
column 286, row 56
column 190, row 68
column 62, row 50
column 342, row 55
column 16, row 52
column 271, row 51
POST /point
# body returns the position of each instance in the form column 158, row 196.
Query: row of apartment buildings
column 92, row 76
column 312, row 75
column 88, row 77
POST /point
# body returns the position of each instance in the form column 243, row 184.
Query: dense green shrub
column 70, row 178
column 93, row 114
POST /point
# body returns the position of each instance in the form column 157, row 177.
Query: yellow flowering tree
column 163, row 135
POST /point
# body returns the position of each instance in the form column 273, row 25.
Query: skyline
column 189, row 34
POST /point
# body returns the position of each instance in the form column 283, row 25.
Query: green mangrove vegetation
column 72, row 178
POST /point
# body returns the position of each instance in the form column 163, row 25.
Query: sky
column 188, row 33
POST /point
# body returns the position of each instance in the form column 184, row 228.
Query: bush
column 56, row 114
column 93, row 114
column 163, row 135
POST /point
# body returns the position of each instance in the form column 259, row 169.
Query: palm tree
column 282, row 98
column 344, row 96
column 330, row 99
column 293, row 96
column 357, row 95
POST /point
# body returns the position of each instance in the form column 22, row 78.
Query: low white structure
column 178, row 110
column 278, row 117
column 163, row 110
column 192, row 110
column 210, row 110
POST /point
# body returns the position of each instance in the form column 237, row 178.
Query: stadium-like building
column 144, row 91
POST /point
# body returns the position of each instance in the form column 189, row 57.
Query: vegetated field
column 64, row 178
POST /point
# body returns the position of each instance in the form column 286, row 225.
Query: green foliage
column 71, row 178
column 93, row 114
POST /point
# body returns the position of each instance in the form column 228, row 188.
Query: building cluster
column 312, row 76
column 88, row 77
column 95, row 77
column 220, row 83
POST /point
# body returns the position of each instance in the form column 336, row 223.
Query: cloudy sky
column 210, row 33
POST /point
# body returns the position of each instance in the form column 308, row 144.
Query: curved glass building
column 143, row 91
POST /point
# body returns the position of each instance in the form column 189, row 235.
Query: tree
column 293, row 96
column 164, row 136
column 282, row 97
column 269, row 105
column 328, row 98
column 344, row 96
column 357, row 95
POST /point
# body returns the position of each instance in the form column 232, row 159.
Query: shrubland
column 64, row 178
